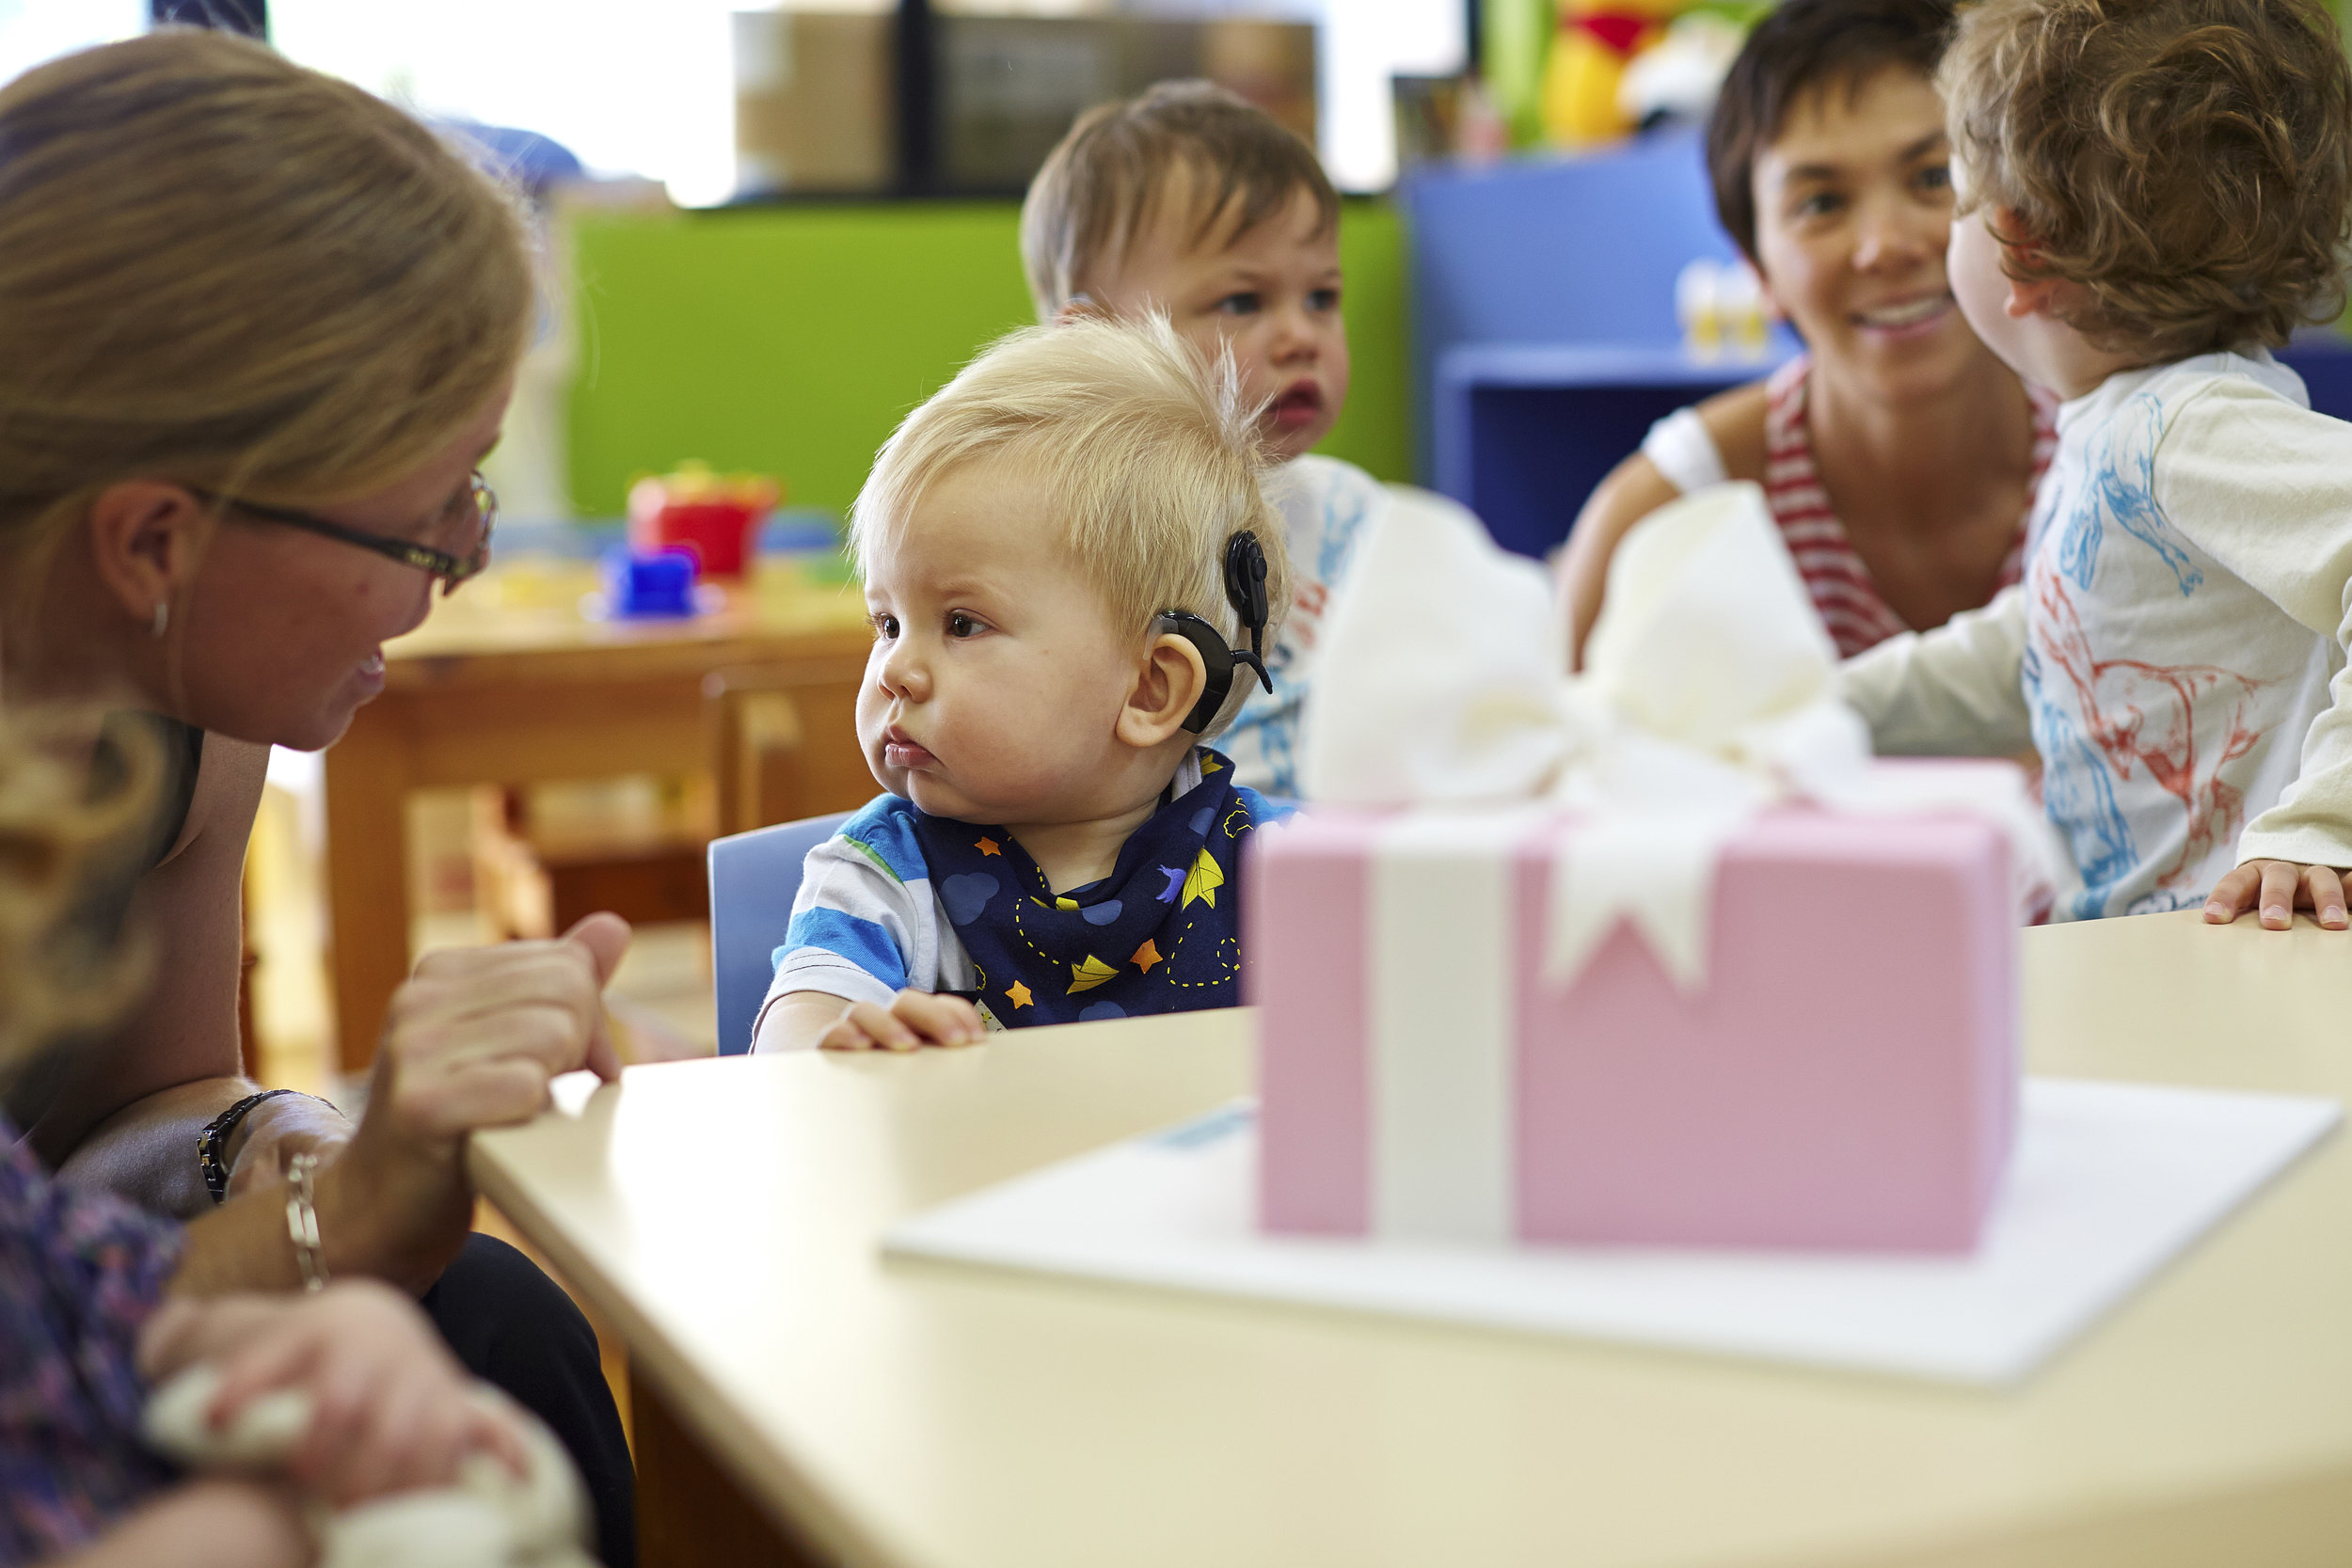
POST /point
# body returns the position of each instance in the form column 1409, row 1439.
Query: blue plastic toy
column 646, row 586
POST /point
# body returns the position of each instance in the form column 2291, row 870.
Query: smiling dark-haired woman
column 256, row 330
column 1900, row 457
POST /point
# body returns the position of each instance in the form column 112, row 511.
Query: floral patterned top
column 79, row 1273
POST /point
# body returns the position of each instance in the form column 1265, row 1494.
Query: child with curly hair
column 2152, row 194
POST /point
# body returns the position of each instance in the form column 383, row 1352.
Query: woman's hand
column 472, row 1038
column 914, row 1019
column 391, row 1409
column 476, row 1032
column 2281, row 888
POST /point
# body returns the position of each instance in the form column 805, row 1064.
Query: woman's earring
column 163, row 618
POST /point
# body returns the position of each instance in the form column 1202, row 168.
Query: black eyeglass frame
column 450, row 570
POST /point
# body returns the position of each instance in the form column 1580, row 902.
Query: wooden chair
column 784, row 744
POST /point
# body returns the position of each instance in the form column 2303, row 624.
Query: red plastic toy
column 714, row 515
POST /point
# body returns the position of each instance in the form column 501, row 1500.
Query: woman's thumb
column 605, row 937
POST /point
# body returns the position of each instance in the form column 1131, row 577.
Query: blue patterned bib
column 1158, row 935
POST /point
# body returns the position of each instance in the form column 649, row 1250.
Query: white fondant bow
column 1710, row 691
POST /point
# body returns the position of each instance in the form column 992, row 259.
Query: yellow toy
column 1585, row 71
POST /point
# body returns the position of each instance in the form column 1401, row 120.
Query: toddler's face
column 1272, row 294
column 996, row 675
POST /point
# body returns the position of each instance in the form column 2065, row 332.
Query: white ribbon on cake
column 1710, row 692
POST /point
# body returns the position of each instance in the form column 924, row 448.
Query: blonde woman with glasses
column 257, row 331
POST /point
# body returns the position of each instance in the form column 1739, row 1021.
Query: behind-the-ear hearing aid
column 1245, row 589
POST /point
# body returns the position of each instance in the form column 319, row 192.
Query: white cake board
column 2109, row 1182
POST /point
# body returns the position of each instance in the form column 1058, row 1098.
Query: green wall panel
column 787, row 340
column 792, row 339
column 1376, row 430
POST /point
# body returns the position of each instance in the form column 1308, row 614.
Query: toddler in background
column 1189, row 201
column 1071, row 572
column 2152, row 193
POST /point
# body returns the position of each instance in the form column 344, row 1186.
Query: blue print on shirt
column 2079, row 798
column 2123, row 487
column 2164, row 900
column 1278, row 745
column 1339, row 538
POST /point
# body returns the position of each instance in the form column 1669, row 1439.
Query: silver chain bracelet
column 302, row 1219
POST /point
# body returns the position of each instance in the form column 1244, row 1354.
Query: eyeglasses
column 451, row 570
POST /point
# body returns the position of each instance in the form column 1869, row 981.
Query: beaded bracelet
column 211, row 1145
column 215, row 1139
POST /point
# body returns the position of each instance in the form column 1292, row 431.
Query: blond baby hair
column 1153, row 456
column 59, row 976
column 1100, row 185
column 220, row 269
column 2188, row 163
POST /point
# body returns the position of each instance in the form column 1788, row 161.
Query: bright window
column 646, row 87
column 631, row 87
column 32, row 31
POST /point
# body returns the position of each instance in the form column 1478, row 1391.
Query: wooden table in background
column 509, row 684
column 806, row 1401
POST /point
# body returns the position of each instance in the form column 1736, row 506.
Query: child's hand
column 2281, row 888
column 914, row 1019
column 391, row 1410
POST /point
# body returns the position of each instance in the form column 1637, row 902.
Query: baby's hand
column 2281, row 888
column 914, row 1019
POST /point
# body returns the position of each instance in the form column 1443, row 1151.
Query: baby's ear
column 1168, row 685
column 2032, row 294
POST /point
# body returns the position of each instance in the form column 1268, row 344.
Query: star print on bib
column 1158, row 935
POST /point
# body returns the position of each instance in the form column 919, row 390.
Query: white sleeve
column 1955, row 691
column 1683, row 451
column 2265, row 487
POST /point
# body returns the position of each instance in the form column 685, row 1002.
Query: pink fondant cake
column 1846, row 1078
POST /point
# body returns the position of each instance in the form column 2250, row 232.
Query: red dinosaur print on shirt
column 1306, row 617
column 2137, row 712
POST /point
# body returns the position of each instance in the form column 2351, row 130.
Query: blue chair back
column 754, row 879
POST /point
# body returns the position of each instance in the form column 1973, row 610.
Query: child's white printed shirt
column 2176, row 650
column 1324, row 505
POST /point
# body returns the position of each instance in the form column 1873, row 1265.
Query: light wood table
column 725, row 1215
column 509, row 684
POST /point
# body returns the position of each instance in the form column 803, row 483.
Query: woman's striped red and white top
column 1843, row 591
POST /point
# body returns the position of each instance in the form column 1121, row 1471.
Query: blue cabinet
column 1522, row 432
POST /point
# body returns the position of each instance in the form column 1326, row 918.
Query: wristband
column 215, row 1138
